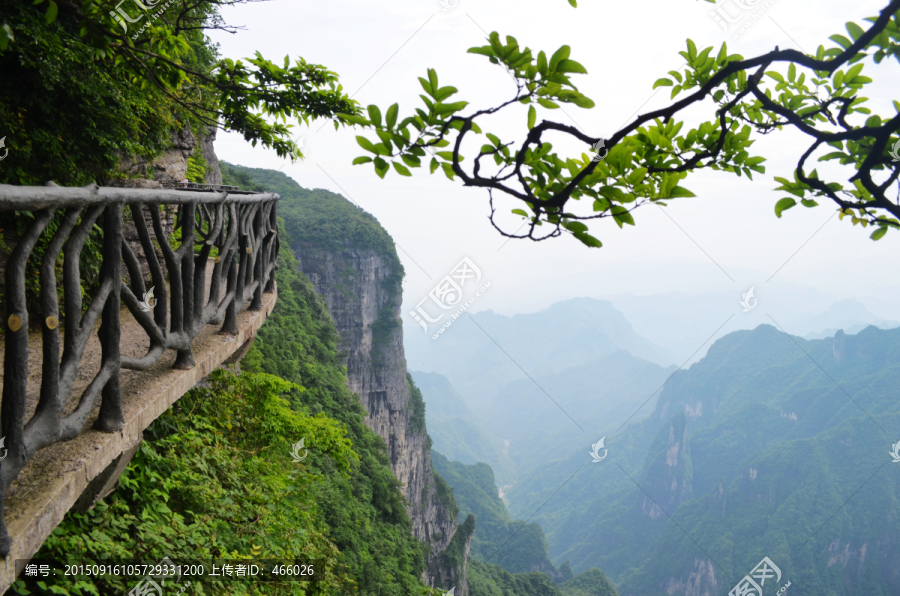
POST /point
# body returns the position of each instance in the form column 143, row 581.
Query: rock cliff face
column 171, row 167
column 363, row 295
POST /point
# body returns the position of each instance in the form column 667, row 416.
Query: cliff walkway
column 79, row 389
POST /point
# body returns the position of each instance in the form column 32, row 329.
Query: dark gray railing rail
column 240, row 227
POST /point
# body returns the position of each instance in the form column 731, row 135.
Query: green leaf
column 841, row 41
column 570, row 66
column 663, row 82
column 614, row 193
column 411, row 160
column 362, row 159
column 575, row 226
column 679, row 192
column 558, row 56
column 366, row 144
column 587, row 240
column 573, row 3
column 448, row 108
column 375, row 115
column 433, row 79
column 808, row 202
column 621, row 215
column 401, row 169
column 783, row 205
column 391, row 116
column 448, row 170
column 483, row 50
column 547, row 103
column 532, row 117
column 877, row 234
column 52, row 11
column 520, row 212
column 855, row 31
column 542, row 64
column 381, row 167
column 444, row 92
column 353, row 119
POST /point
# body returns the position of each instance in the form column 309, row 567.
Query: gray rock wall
column 365, row 307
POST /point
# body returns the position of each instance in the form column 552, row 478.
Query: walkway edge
column 29, row 526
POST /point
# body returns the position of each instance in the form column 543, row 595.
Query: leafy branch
column 646, row 160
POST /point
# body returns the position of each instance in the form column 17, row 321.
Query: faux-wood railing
column 241, row 228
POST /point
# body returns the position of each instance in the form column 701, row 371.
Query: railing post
column 185, row 358
column 111, row 418
column 15, row 365
column 273, row 222
column 257, row 262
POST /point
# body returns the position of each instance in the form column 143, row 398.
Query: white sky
column 380, row 48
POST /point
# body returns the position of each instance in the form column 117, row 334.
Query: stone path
column 57, row 475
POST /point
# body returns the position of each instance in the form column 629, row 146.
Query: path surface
column 57, row 476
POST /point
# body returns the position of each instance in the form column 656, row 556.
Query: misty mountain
column 849, row 315
column 454, row 430
column 752, row 452
column 547, row 418
column 482, row 352
column 686, row 325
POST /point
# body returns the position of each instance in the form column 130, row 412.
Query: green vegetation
column 131, row 89
column 196, row 167
column 233, row 177
column 366, row 512
column 476, row 492
column 416, row 406
column 214, row 479
column 326, row 221
column 486, row 579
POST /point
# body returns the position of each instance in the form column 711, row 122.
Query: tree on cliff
column 83, row 81
column 646, row 161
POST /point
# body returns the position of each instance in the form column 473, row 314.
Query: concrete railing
column 236, row 233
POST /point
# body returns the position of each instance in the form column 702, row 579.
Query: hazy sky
column 725, row 240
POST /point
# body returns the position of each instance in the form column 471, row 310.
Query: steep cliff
column 352, row 263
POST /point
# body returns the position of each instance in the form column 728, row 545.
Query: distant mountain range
column 685, row 325
column 747, row 454
column 771, row 445
column 484, row 351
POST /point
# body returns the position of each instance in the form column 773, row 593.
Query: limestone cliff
column 362, row 288
column 171, row 167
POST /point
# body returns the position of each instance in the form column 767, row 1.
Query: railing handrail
column 32, row 198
